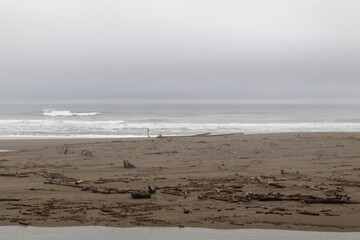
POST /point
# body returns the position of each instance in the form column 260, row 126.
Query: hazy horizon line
column 183, row 101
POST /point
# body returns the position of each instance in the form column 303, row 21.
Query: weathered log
column 9, row 199
column 140, row 195
column 343, row 182
column 247, row 196
column 305, row 212
column 63, row 184
column 158, row 153
column 304, row 198
column 278, row 185
column 114, row 179
column 173, row 191
column 19, row 175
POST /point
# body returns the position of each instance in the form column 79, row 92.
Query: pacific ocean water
column 133, row 120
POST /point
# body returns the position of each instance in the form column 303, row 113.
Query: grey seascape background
column 68, row 64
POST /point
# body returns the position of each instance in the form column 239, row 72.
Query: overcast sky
column 184, row 50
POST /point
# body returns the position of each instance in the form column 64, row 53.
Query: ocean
column 133, row 120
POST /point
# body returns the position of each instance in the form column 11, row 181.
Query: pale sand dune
column 203, row 181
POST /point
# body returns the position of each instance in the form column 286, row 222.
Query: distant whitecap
column 67, row 113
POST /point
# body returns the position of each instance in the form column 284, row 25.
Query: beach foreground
column 300, row 181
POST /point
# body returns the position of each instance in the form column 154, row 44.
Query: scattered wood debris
column 342, row 182
column 247, row 196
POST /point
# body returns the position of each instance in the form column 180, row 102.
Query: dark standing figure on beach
column 148, row 132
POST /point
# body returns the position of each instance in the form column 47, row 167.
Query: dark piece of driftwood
column 146, row 193
column 152, row 190
column 127, row 164
column 9, row 199
column 247, row 196
column 278, row 185
column 186, row 211
column 305, row 198
column 158, row 153
column 139, row 195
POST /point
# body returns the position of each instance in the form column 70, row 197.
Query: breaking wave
column 67, row 113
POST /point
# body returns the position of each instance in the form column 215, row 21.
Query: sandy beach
column 300, row 181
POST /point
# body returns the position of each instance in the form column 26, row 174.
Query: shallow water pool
column 107, row 233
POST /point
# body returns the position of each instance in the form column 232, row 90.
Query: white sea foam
column 67, row 113
column 133, row 121
column 63, row 128
column 5, row 150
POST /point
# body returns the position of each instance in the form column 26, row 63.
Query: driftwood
column 114, row 179
column 343, row 182
column 278, row 185
column 102, row 190
column 9, row 199
column 20, row 175
column 247, row 196
column 304, row 198
column 186, row 211
column 305, row 212
column 146, row 193
column 157, row 153
column 63, row 184
column 173, row 191
column 87, row 153
column 127, row 164
column 139, row 195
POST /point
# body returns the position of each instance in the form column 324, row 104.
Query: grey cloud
column 222, row 50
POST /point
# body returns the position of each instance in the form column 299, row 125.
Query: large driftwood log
column 247, row 196
column 9, row 199
column 139, row 195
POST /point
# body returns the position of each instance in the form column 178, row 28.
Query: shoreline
column 207, row 181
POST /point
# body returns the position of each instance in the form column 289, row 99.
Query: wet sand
column 299, row 181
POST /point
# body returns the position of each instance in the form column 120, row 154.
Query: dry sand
column 306, row 181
